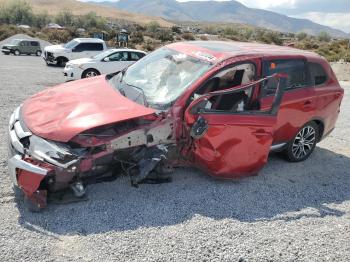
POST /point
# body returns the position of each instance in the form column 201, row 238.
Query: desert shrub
column 324, row 36
column 149, row 45
column 204, row 38
column 188, row 36
column 176, row 29
column 60, row 36
column 65, row 18
column 136, row 37
column 152, row 27
column 301, row 36
column 164, row 35
column 16, row 12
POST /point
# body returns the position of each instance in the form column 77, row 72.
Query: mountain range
column 223, row 12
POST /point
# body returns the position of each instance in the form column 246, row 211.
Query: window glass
column 94, row 46
column 136, row 56
column 294, row 69
column 119, row 56
column 318, row 74
column 33, row 43
column 88, row 47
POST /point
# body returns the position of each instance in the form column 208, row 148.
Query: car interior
column 231, row 77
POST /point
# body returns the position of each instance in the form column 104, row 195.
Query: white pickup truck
column 77, row 48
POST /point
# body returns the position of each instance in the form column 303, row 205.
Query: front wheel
column 90, row 73
column 17, row 52
column 38, row 53
column 303, row 144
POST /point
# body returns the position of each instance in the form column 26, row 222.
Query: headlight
column 52, row 152
column 69, row 66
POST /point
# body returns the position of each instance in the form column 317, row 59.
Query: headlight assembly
column 52, row 152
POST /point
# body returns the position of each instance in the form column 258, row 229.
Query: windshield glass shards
column 161, row 77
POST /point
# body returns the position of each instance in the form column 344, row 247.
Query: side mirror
column 106, row 59
column 199, row 128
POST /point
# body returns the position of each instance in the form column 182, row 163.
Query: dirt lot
column 291, row 212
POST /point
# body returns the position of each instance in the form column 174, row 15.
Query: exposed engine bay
column 139, row 148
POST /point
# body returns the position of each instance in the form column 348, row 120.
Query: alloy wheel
column 91, row 74
column 304, row 142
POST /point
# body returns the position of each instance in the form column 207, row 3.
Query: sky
column 333, row 13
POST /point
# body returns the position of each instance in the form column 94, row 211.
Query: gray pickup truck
column 22, row 46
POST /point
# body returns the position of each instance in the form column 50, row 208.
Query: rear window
column 296, row 72
column 318, row 74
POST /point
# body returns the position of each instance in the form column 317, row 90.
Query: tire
column 17, row 53
column 38, row 53
column 304, row 143
column 90, row 73
column 61, row 61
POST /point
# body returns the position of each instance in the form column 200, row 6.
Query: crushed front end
column 41, row 167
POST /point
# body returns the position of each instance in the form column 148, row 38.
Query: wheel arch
column 90, row 68
column 321, row 126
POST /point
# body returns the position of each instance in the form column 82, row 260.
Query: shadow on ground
column 283, row 191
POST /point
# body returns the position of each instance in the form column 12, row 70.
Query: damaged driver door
column 236, row 141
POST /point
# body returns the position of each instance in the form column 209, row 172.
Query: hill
column 80, row 8
column 225, row 11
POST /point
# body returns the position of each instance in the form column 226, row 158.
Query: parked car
column 77, row 48
column 107, row 62
column 22, row 46
column 218, row 106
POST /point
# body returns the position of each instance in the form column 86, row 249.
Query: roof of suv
column 89, row 40
column 221, row 50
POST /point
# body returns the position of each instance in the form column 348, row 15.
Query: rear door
column 299, row 101
column 230, row 135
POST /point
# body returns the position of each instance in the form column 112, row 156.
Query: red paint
column 62, row 112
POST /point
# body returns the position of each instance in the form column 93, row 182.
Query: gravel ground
column 291, row 212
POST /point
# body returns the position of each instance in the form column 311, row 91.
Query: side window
column 94, row 46
column 23, row 43
column 296, row 72
column 135, row 56
column 233, row 102
column 317, row 73
column 80, row 47
column 119, row 56
column 33, row 43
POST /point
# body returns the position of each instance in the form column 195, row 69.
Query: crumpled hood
column 62, row 112
column 55, row 48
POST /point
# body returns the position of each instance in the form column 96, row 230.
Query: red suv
column 219, row 106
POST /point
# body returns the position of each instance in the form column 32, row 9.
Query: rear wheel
column 90, row 73
column 304, row 143
column 17, row 52
column 38, row 53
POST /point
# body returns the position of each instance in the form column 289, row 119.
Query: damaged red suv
column 218, row 106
